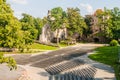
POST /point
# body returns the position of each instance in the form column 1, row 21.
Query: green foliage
column 108, row 55
column 75, row 21
column 9, row 32
column 114, row 43
column 10, row 28
column 88, row 20
column 109, row 22
column 71, row 19
column 57, row 13
column 20, row 34
column 32, row 26
column 105, row 23
column 115, row 22
column 59, row 22
column 38, row 24
column 65, row 43
column 9, row 60
column 28, row 25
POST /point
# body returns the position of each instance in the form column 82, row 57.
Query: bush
column 11, row 63
column 114, row 43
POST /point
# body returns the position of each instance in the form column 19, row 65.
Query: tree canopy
column 115, row 13
column 10, row 27
column 20, row 33
column 109, row 23
column 9, row 32
column 57, row 14
column 76, row 21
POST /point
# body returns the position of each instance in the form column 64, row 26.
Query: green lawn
column 107, row 55
column 42, row 47
column 34, row 48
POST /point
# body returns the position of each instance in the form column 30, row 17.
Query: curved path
column 35, row 64
column 104, row 72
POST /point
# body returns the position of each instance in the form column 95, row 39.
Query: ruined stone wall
column 47, row 36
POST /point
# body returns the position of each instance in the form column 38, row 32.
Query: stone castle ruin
column 47, row 36
column 96, row 29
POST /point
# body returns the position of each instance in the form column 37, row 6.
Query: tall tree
column 109, row 23
column 89, row 23
column 76, row 21
column 105, row 23
column 57, row 13
column 29, row 28
column 98, row 12
column 115, row 23
column 9, row 32
column 10, row 27
column 60, row 20
column 38, row 23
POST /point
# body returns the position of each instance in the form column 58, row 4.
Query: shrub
column 114, row 43
column 11, row 63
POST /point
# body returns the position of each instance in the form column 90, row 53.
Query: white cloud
column 20, row 1
column 88, row 7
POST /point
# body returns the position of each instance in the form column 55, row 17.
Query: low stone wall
column 7, row 49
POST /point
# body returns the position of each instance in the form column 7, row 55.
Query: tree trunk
column 58, row 38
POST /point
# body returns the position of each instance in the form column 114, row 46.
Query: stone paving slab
column 36, row 73
column 19, row 74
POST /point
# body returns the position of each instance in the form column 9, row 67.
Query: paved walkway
column 19, row 74
column 104, row 72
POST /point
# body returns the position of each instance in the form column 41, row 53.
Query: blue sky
column 39, row 8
